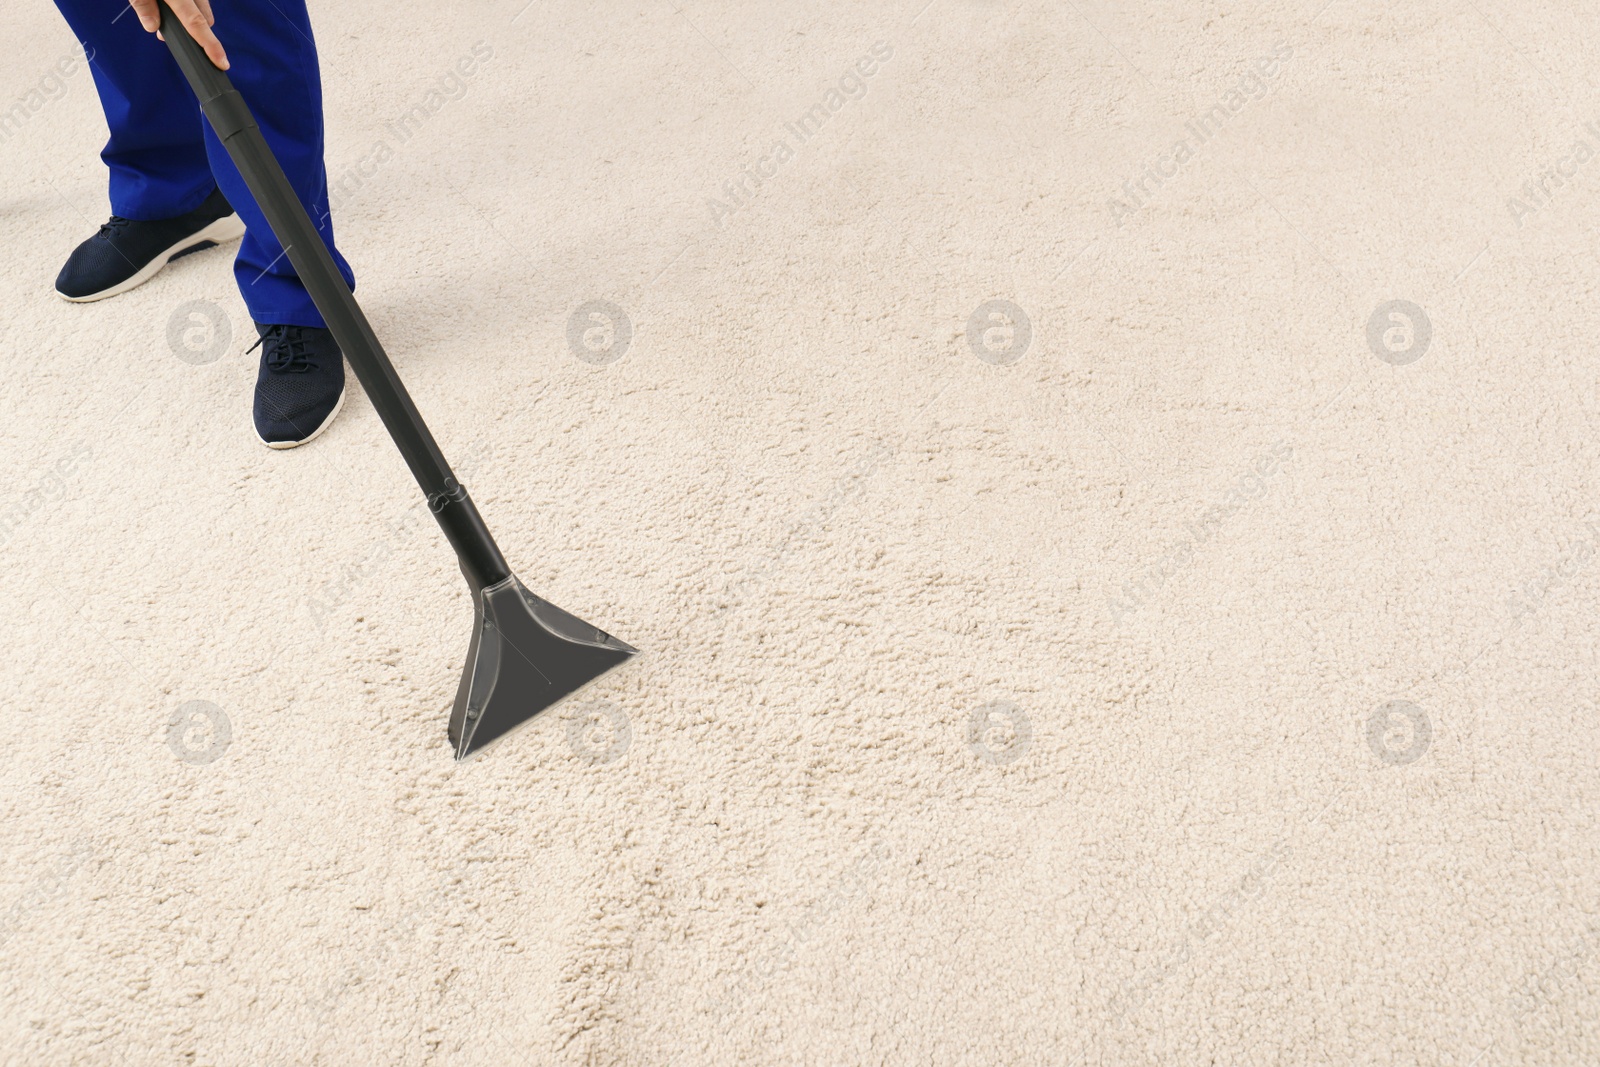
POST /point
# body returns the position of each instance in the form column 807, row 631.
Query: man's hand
column 196, row 18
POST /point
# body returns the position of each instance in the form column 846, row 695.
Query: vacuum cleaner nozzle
column 526, row 654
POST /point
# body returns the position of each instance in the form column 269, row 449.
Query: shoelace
column 287, row 354
column 116, row 225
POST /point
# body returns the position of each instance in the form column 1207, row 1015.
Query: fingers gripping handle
column 208, row 82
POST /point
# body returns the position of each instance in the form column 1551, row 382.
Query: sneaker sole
column 337, row 407
column 227, row 228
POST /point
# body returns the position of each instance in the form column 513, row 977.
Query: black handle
column 225, row 109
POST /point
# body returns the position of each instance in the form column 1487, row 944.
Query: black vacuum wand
column 526, row 654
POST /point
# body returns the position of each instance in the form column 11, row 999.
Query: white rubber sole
column 228, row 228
column 318, row 431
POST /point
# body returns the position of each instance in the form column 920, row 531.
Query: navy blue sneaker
column 300, row 386
column 128, row 252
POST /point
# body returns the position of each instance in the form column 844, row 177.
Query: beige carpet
column 1107, row 506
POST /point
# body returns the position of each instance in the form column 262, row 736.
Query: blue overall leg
column 164, row 157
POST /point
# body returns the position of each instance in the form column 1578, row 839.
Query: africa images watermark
column 999, row 732
column 1536, row 192
column 846, row 487
column 52, row 486
column 1530, row 595
column 1252, row 485
column 851, row 86
column 52, row 86
column 598, row 732
column 46, row 889
column 199, row 732
column 599, row 332
column 452, row 85
column 1202, row 128
column 1563, row 976
column 1222, row 915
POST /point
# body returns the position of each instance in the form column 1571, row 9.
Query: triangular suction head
column 526, row 655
